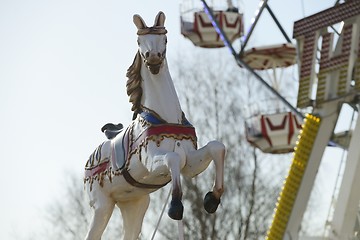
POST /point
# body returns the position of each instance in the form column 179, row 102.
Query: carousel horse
column 158, row 145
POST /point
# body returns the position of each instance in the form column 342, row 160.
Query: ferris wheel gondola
column 268, row 57
column 197, row 26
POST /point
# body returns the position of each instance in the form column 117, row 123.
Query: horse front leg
column 174, row 162
column 197, row 161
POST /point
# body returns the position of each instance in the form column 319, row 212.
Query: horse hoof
column 176, row 210
column 211, row 203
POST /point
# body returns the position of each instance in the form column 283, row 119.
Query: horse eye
column 138, row 42
column 165, row 40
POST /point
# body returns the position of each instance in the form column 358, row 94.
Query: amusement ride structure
column 327, row 53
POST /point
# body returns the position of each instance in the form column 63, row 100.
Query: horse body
column 158, row 146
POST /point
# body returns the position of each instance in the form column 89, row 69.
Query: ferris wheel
column 271, row 131
column 328, row 79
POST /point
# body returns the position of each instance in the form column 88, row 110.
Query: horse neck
column 159, row 94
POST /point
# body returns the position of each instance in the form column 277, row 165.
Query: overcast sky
column 62, row 76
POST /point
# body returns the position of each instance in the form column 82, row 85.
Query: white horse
column 158, row 145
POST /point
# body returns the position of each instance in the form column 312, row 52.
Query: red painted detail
column 264, row 131
column 276, row 127
column 207, row 24
column 96, row 169
column 282, row 55
column 223, row 22
column 326, row 18
column 307, row 57
column 328, row 62
column 163, row 130
column 231, row 25
column 297, row 124
column 291, row 127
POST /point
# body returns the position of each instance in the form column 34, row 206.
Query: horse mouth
column 154, row 68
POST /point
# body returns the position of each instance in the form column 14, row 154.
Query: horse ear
column 139, row 22
column 159, row 19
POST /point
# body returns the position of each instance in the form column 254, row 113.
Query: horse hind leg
column 133, row 212
column 198, row 161
column 103, row 208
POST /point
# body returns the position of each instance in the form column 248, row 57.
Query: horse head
column 152, row 42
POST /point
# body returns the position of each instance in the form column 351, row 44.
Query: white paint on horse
column 157, row 152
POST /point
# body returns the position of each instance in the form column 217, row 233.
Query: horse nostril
column 159, row 55
column 147, row 54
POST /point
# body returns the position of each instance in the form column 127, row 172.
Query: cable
column 161, row 214
column 181, row 229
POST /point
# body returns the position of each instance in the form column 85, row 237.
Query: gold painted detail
column 100, row 177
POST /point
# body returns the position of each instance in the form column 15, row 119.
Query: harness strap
column 135, row 183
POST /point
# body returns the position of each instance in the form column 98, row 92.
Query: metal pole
column 161, row 215
column 248, row 34
column 181, row 229
column 241, row 63
column 278, row 24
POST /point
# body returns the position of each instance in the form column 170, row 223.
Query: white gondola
column 273, row 133
column 197, row 27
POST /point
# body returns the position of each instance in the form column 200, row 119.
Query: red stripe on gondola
column 276, row 127
column 291, row 127
column 264, row 131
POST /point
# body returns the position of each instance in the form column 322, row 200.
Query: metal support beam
column 241, row 63
column 252, row 27
column 344, row 218
column 278, row 24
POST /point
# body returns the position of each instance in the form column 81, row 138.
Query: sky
column 62, row 76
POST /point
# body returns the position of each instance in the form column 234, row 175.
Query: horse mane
column 133, row 85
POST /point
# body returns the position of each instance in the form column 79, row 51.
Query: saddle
column 111, row 130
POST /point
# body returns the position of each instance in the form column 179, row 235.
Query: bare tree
column 214, row 91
